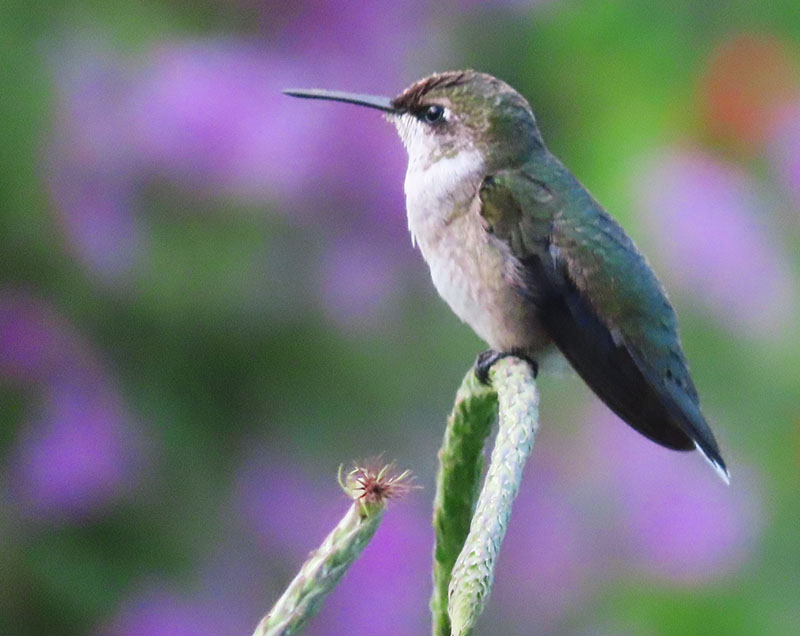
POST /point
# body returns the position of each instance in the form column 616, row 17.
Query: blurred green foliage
column 220, row 344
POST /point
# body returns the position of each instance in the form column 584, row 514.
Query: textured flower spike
column 370, row 489
column 467, row 545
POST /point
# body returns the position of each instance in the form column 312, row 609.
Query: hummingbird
column 523, row 253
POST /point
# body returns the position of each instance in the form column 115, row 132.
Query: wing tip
column 716, row 462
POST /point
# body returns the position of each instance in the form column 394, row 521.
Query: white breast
column 434, row 192
column 470, row 269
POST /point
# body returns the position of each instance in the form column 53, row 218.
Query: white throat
column 440, row 190
column 438, row 185
column 437, row 188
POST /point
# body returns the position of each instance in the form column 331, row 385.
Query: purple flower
column 359, row 160
column 675, row 518
column 288, row 512
column 32, row 339
column 784, row 149
column 708, row 227
column 546, row 562
column 229, row 591
column 76, row 455
column 386, row 591
column 359, row 278
column 209, row 115
column 158, row 610
column 77, row 451
column 372, row 45
column 530, row 5
column 91, row 169
column 96, row 217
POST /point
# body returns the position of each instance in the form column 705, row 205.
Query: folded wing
column 601, row 304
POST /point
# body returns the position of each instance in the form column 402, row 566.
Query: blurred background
column 209, row 300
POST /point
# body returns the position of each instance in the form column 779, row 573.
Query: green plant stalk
column 457, row 484
column 518, row 416
column 322, row 571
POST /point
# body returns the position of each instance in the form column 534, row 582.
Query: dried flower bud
column 372, row 484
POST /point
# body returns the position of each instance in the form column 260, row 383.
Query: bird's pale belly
column 474, row 274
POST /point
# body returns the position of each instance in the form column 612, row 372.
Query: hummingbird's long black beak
column 370, row 101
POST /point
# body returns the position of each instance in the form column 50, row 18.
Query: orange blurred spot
column 747, row 79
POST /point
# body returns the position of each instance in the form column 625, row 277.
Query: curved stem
column 457, row 483
column 470, row 576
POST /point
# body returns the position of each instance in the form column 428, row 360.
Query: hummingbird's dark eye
column 433, row 113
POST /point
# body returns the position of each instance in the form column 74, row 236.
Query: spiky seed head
column 372, row 483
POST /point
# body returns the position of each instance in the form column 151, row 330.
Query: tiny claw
column 486, row 359
column 484, row 363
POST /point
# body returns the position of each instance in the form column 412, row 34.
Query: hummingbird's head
column 446, row 114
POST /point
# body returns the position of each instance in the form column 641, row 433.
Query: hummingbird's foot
column 486, row 360
column 484, row 363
